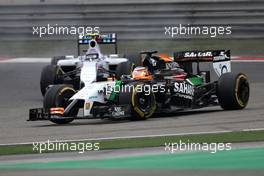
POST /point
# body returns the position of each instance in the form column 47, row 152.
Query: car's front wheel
column 58, row 97
column 140, row 98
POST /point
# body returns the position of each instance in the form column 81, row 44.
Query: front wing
column 114, row 112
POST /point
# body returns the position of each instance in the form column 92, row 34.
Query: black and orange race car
column 150, row 84
column 170, row 84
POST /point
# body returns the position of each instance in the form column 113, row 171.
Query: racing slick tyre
column 233, row 91
column 49, row 76
column 134, row 58
column 143, row 103
column 58, row 96
column 124, row 68
column 55, row 59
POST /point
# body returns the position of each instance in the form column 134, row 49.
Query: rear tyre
column 233, row 91
column 58, row 96
column 124, row 68
column 55, row 59
column 49, row 76
column 134, row 58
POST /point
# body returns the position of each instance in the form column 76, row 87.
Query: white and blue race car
column 68, row 69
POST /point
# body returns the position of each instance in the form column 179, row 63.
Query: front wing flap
column 38, row 114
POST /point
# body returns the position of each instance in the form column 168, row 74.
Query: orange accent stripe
column 58, row 110
column 166, row 58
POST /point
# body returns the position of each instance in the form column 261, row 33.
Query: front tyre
column 233, row 91
column 58, row 96
column 143, row 103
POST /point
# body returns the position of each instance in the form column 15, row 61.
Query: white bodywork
column 91, row 93
column 92, row 90
column 112, row 59
column 221, row 64
column 222, row 67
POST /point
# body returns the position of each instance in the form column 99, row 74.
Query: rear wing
column 202, row 56
column 99, row 38
column 220, row 58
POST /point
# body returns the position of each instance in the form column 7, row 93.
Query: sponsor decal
column 222, row 56
column 224, row 69
column 198, row 54
column 153, row 62
column 172, row 65
column 93, row 97
column 87, row 106
column 117, row 111
column 184, row 89
column 184, row 96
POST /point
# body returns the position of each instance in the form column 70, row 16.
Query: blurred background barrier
column 131, row 19
column 139, row 24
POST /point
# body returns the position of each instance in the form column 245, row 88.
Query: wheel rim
column 63, row 97
column 243, row 91
column 143, row 105
column 144, row 102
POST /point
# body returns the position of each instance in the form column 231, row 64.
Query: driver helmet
column 94, row 48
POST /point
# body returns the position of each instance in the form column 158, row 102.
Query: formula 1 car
column 67, row 69
column 161, row 84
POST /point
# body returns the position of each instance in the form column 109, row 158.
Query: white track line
column 135, row 137
column 255, row 129
column 26, row 60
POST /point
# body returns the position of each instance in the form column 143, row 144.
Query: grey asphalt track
column 19, row 91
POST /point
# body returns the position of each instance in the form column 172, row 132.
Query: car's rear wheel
column 49, row 76
column 124, row 68
column 55, row 59
column 233, row 91
column 58, row 96
column 134, row 58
